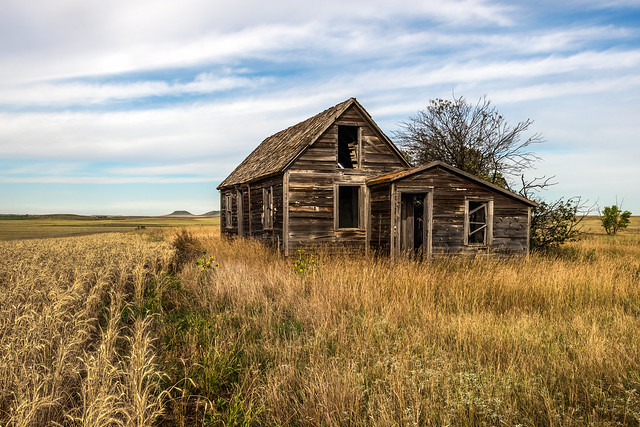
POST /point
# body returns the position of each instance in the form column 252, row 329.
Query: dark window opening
column 348, row 147
column 348, row 207
column 477, row 223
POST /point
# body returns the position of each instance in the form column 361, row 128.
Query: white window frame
column 488, row 235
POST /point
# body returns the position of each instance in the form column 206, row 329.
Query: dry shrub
column 188, row 248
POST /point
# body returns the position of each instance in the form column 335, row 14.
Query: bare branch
column 474, row 138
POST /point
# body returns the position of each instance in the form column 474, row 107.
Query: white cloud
column 48, row 179
column 77, row 38
column 70, row 93
column 393, row 56
column 562, row 89
column 217, row 132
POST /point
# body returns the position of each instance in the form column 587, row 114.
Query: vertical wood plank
column 394, row 223
column 336, row 196
column 429, row 223
column 285, row 212
column 528, row 230
column 466, row 222
column 489, row 235
column 249, row 208
column 367, row 218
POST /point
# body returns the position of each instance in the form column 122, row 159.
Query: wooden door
column 407, row 222
column 415, row 225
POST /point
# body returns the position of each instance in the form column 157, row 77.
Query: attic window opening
column 348, row 146
column 348, row 206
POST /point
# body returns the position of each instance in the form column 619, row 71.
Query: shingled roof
column 438, row 164
column 278, row 151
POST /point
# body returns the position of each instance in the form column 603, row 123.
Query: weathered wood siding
column 252, row 203
column 228, row 228
column 314, row 175
column 270, row 235
column 510, row 217
column 380, row 218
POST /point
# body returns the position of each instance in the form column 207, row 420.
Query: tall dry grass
column 126, row 330
column 70, row 352
column 551, row 340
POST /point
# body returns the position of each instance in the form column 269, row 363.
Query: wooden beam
column 395, row 222
column 528, row 229
column 249, row 208
column 367, row 219
column 429, row 224
column 285, row 212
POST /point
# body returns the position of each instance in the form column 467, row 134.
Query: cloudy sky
column 143, row 107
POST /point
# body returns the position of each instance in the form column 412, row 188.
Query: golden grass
column 96, row 330
column 544, row 340
column 63, row 358
column 29, row 227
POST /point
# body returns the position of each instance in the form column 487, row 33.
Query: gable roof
column 438, row 164
column 277, row 152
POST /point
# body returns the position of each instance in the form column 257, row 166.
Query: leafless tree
column 475, row 138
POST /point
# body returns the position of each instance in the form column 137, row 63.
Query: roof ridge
column 277, row 151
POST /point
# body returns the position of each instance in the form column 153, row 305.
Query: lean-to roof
column 423, row 168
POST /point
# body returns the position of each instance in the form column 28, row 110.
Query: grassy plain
column 593, row 225
column 129, row 329
column 35, row 226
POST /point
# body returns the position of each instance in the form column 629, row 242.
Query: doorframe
column 396, row 218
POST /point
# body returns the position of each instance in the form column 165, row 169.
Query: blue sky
column 143, row 107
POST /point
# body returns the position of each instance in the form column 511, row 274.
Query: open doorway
column 415, row 226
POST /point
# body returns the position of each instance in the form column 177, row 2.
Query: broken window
column 348, row 206
column 348, row 146
column 267, row 207
column 227, row 209
column 478, row 222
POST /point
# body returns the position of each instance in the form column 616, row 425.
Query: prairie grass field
column 144, row 328
column 37, row 226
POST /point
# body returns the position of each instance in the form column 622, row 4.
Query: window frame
column 228, row 210
column 267, row 208
column 488, row 235
column 336, row 206
column 358, row 164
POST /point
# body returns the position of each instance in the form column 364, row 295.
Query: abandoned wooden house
column 337, row 179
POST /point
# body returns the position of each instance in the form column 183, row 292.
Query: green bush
column 614, row 219
column 553, row 224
